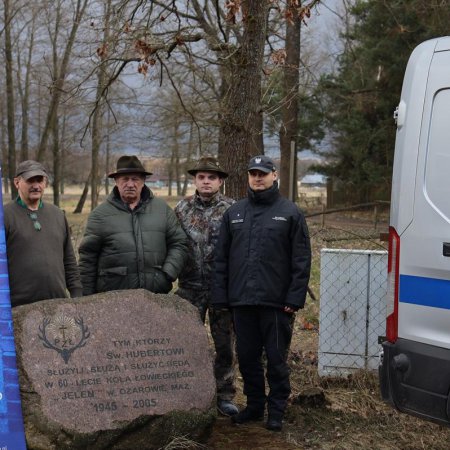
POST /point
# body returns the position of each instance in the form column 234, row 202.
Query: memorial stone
column 118, row 370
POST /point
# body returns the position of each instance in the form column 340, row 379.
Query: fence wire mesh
column 347, row 290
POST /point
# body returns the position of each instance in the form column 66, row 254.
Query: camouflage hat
column 129, row 164
column 29, row 169
column 207, row 164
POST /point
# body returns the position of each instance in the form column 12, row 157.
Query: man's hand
column 288, row 309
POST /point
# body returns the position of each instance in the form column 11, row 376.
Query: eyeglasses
column 37, row 226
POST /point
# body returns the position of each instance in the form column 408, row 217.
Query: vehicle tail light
column 392, row 288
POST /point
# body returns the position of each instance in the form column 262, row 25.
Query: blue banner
column 12, row 434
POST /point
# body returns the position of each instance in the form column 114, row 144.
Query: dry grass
column 354, row 416
column 183, row 442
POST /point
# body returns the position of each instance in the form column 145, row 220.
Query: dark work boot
column 248, row 415
column 274, row 422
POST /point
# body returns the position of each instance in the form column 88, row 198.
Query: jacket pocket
column 277, row 240
column 112, row 279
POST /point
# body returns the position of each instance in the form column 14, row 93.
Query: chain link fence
column 352, row 309
column 348, row 284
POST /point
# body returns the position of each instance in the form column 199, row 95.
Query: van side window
column 437, row 166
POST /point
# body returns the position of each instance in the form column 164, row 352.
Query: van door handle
column 446, row 249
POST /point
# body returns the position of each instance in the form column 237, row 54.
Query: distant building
column 313, row 180
column 156, row 181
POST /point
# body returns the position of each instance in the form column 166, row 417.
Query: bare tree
column 240, row 60
column 188, row 158
column 24, row 86
column 60, row 69
column 97, row 116
column 208, row 55
column 3, row 139
column 236, row 46
column 108, row 150
column 10, row 105
column 290, row 87
column 241, row 111
column 79, row 208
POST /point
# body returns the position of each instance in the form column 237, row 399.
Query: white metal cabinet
column 352, row 309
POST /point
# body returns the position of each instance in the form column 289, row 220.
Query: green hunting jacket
column 131, row 249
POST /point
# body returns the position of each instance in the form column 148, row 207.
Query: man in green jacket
column 132, row 240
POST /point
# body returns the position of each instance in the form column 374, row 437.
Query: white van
column 415, row 364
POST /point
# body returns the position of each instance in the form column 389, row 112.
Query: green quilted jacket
column 131, row 249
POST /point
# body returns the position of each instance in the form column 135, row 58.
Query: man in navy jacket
column 262, row 268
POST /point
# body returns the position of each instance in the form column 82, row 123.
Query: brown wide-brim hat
column 129, row 164
column 207, row 164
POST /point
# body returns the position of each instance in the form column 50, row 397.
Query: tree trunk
column 10, row 110
column 54, row 119
column 56, row 162
column 177, row 168
column 289, row 112
column 108, row 152
column 223, row 88
column 170, row 172
column 96, row 141
column 58, row 84
column 97, row 117
column 24, row 92
column 63, row 152
column 185, row 186
column 240, row 124
column 188, row 159
column 4, row 151
column 176, row 157
column 83, row 197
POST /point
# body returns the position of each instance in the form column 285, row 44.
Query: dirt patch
column 226, row 436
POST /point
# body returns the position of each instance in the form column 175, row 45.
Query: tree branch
column 182, row 103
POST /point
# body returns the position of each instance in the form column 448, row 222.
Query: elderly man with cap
column 133, row 240
column 200, row 216
column 262, row 267
column 41, row 260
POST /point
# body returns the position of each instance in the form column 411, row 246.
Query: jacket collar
column 24, row 205
column 267, row 196
column 114, row 198
column 212, row 201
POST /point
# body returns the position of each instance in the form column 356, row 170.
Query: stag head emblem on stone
column 63, row 334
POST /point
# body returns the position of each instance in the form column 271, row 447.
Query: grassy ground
column 324, row 413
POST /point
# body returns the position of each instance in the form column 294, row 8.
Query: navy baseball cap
column 262, row 163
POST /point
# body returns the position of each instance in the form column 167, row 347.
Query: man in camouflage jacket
column 200, row 216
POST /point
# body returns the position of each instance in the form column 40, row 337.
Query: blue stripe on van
column 425, row 291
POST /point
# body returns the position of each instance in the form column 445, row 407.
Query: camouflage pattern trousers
column 221, row 326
